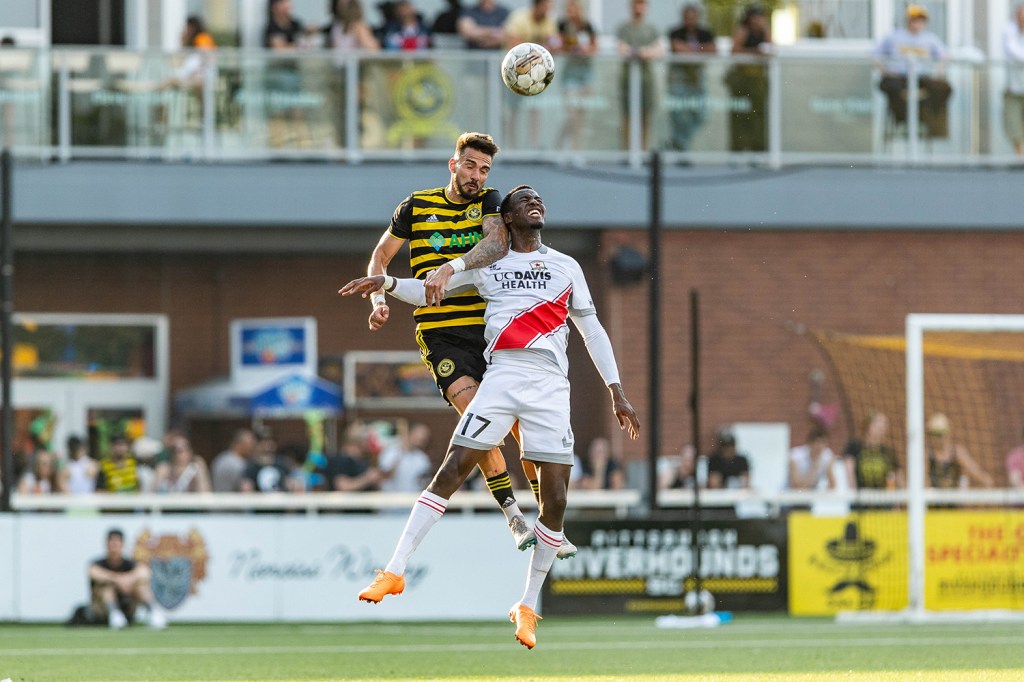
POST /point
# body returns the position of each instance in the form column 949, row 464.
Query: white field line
column 394, row 649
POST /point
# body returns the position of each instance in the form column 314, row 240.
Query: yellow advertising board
column 852, row 563
column 973, row 560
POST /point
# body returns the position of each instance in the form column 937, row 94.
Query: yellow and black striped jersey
column 439, row 230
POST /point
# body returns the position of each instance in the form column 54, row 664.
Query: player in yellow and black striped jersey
column 442, row 225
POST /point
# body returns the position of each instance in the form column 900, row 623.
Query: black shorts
column 453, row 353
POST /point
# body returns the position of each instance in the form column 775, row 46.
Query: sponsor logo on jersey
column 529, row 279
column 436, row 240
column 538, row 265
column 474, row 212
column 445, row 367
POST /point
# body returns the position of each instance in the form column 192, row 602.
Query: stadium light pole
column 654, row 333
column 6, row 308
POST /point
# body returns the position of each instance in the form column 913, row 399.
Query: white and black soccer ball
column 698, row 603
column 527, row 69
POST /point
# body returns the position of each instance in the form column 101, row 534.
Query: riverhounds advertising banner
column 210, row 567
column 973, row 560
column 645, row 567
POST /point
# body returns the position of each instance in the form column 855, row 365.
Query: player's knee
column 493, row 464
column 553, row 502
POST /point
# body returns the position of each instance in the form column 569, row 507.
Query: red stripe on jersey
column 546, row 538
column 430, row 504
column 529, row 325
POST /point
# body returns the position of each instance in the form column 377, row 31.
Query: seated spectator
column 351, row 470
column 284, row 32
column 79, row 470
column 348, row 29
column 533, row 24
column 183, row 472
column 870, row 461
column 193, row 37
column 927, row 49
column 482, row 26
column 405, row 465
column 119, row 471
column 950, row 465
column 810, row 464
column 679, row 472
column 119, row 586
column 603, row 469
column 228, row 467
column 264, row 473
column 1015, row 466
column 406, row 32
column 726, row 467
column 42, row 477
column 445, row 29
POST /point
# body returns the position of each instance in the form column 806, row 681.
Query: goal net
column 952, row 526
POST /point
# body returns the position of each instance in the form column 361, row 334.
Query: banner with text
column 646, row 566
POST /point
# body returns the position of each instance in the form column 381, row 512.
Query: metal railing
column 232, row 105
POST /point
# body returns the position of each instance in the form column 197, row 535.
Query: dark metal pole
column 654, row 334
column 6, row 309
column 696, row 522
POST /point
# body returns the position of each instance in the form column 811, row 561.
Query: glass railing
column 233, row 105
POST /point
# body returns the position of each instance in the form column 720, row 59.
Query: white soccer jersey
column 529, row 299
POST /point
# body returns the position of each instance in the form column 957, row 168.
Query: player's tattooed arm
column 491, row 248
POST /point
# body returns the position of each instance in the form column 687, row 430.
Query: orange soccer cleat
column 384, row 584
column 526, row 624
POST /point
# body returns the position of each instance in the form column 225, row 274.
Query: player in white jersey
column 531, row 293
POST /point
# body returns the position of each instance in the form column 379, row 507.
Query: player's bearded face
column 469, row 173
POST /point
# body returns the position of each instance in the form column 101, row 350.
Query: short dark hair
column 115, row 533
column 74, row 442
column 507, row 199
column 482, row 142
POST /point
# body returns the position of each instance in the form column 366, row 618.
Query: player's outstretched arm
column 491, row 248
column 383, row 253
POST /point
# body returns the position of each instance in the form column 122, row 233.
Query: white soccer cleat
column 117, row 620
column 567, row 550
column 522, row 533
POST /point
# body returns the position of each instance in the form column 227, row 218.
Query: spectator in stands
column 688, row 104
column 579, row 42
column 118, row 472
column 445, row 29
column 183, row 472
column 603, row 469
column 348, row 29
column 810, row 464
column 748, row 83
column 1013, row 98
column 533, row 24
column 351, row 469
column 228, row 467
column 119, row 586
column 870, row 460
column 1015, row 466
column 482, row 27
column 640, row 42
column 79, row 469
column 43, row 477
column 405, row 465
column 950, row 465
column 927, row 49
column 726, row 467
column 283, row 31
column 146, row 450
column 265, row 473
column 406, row 32
column 679, row 472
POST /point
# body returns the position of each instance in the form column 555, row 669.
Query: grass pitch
column 569, row 650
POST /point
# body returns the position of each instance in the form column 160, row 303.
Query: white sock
column 511, row 511
column 425, row 513
column 548, row 542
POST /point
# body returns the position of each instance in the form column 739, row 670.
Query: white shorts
column 538, row 399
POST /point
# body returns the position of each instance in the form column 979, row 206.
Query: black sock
column 535, row 487
column 501, row 487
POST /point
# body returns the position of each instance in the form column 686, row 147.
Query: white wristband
column 389, row 283
column 458, row 264
column 377, row 298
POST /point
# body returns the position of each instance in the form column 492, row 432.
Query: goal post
column 917, row 325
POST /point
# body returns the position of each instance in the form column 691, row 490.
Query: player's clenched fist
column 364, row 286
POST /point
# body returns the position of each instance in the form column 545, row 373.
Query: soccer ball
column 698, row 604
column 527, row 69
